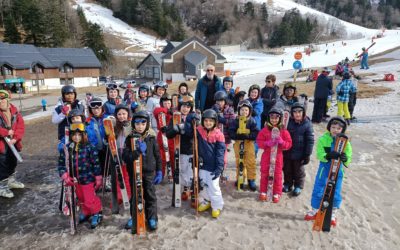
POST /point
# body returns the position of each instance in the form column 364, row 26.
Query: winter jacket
column 262, row 138
column 269, row 97
column 250, row 124
column 59, row 118
column 200, row 95
column 231, row 96
column 95, row 131
column 17, row 124
column 225, row 119
column 153, row 103
column 211, row 149
column 44, row 102
column 258, row 108
column 109, row 106
column 284, row 104
column 325, row 145
column 323, row 86
column 152, row 160
column 344, row 89
column 87, row 166
column 186, row 146
column 302, row 135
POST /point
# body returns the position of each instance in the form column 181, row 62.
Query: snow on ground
column 104, row 17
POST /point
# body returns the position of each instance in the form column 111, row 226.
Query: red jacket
column 17, row 124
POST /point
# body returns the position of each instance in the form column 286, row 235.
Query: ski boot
column 152, row 224
column 204, row 206
column 13, row 183
column 241, row 185
column 82, row 218
column 96, row 219
column 192, row 200
column 276, row 198
column 262, row 197
column 215, row 213
column 252, row 185
column 5, row 190
column 128, row 224
column 286, row 188
column 185, row 194
column 310, row 215
column 333, row 218
column 297, row 191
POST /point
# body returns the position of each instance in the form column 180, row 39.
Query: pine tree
column 11, row 33
column 94, row 39
column 264, row 13
column 56, row 27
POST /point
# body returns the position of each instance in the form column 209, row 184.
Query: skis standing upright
column 195, row 163
column 286, row 116
column 324, row 214
column 162, row 123
column 175, row 102
column 241, row 130
column 137, row 211
column 272, row 162
column 112, row 143
column 176, row 190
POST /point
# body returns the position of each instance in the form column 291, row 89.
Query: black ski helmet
column 165, row 97
column 75, row 112
column 122, row 106
column 337, row 119
column 255, row 86
column 141, row 114
column 227, row 79
column 298, row 105
column 95, row 102
column 220, row 96
column 346, row 75
column 144, row 87
column 245, row 103
column 275, row 110
column 68, row 89
column 111, row 86
column 209, row 113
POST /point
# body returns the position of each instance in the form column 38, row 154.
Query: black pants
column 149, row 193
column 294, row 173
column 102, row 160
column 44, row 108
column 352, row 103
column 319, row 109
column 8, row 163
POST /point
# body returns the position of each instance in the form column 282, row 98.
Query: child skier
column 151, row 164
column 256, row 102
column 248, row 138
column 141, row 102
column 160, row 88
column 325, row 155
column 67, row 103
column 165, row 107
column 228, row 88
column 11, row 127
column 343, row 90
column 211, row 145
column 113, row 99
column 289, row 97
column 294, row 160
column 239, row 96
column 269, row 96
column 88, row 178
column 183, row 90
column 44, row 104
column 265, row 141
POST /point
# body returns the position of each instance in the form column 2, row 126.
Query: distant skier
column 282, row 62
column 364, row 58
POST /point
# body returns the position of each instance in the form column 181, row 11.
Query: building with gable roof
column 35, row 68
column 180, row 61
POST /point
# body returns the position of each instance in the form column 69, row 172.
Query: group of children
column 261, row 111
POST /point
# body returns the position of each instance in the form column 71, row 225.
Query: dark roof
column 170, row 46
column 23, row 56
column 156, row 56
column 195, row 57
column 78, row 58
column 188, row 41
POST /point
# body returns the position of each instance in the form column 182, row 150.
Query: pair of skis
column 272, row 163
column 324, row 214
column 176, row 186
column 162, row 120
column 241, row 130
column 196, row 161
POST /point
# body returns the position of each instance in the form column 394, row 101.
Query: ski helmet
column 346, row 75
column 141, row 115
column 289, row 85
column 338, row 120
column 297, row 105
column 186, row 100
column 144, row 87
column 78, row 127
column 254, row 86
column 275, row 110
column 209, row 113
column 122, row 106
column 68, row 89
column 111, row 86
column 245, row 103
column 220, row 96
column 160, row 84
column 96, row 102
column 165, row 97
column 75, row 112
column 227, row 79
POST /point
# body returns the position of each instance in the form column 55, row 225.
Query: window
column 36, row 69
column 149, row 72
column 66, row 81
column 66, row 68
column 156, row 72
column 6, row 71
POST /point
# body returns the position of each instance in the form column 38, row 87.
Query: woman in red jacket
column 11, row 129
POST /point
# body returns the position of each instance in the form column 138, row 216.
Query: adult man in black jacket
column 323, row 88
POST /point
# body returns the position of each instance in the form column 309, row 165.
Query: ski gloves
column 274, row 142
column 216, row 173
column 336, row 155
column 179, row 128
column 163, row 129
column 158, row 178
column 98, row 183
column 305, row 160
column 65, row 109
column 130, row 156
column 60, row 146
column 67, row 179
column 242, row 136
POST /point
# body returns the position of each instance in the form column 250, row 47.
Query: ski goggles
column 112, row 86
column 4, row 95
column 137, row 121
column 95, row 104
column 274, row 115
column 77, row 127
